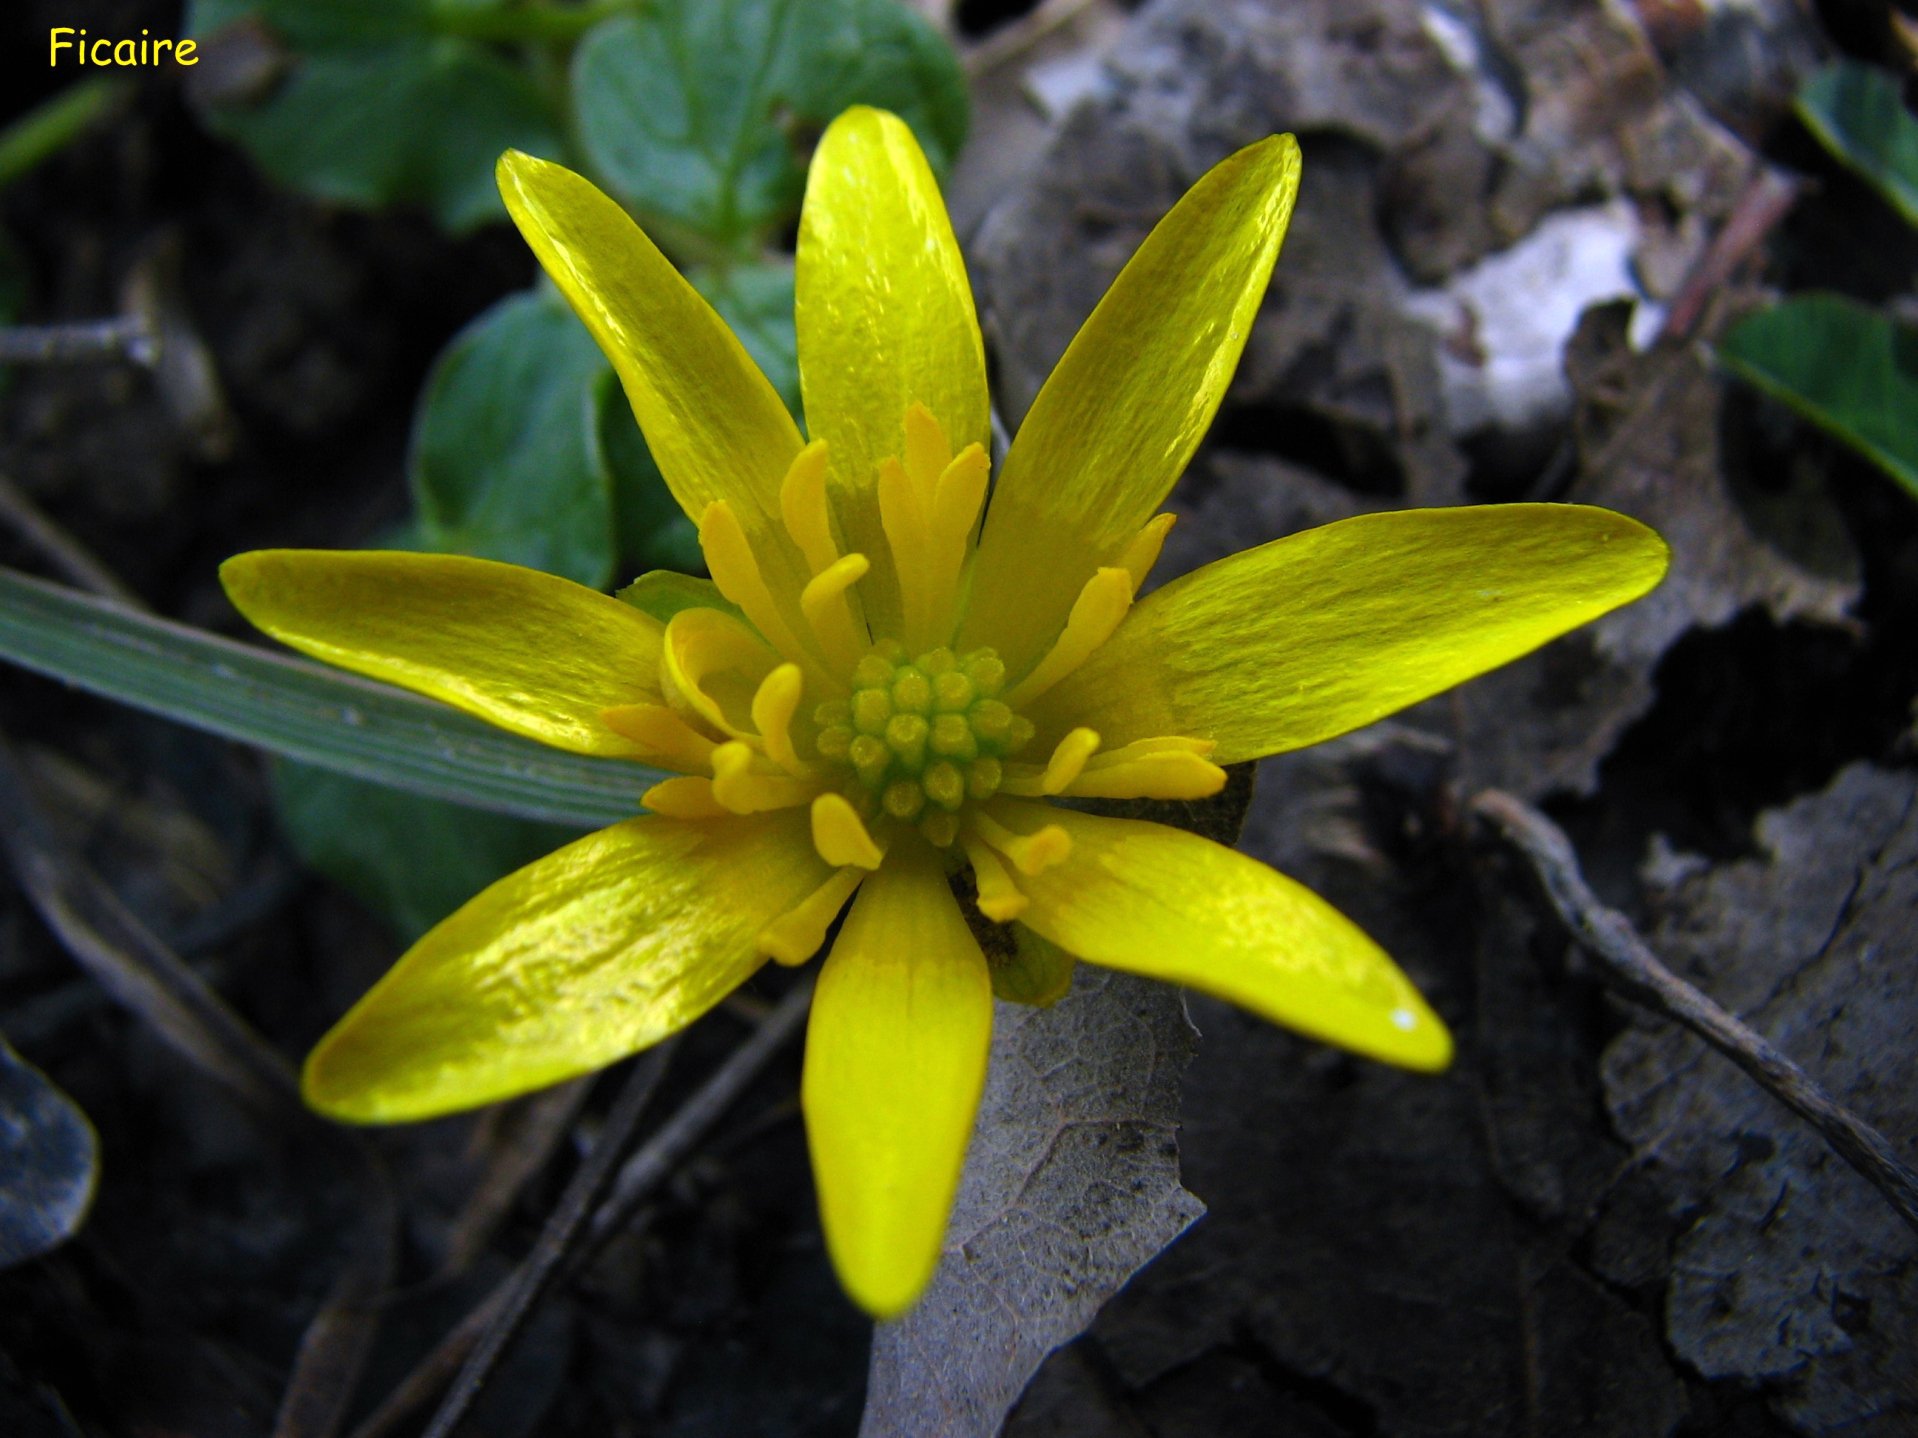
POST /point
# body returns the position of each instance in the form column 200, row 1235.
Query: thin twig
column 72, row 559
column 655, row 1160
column 1630, row 963
column 127, row 338
column 127, row 960
column 1766, row 200
column 536, row 1274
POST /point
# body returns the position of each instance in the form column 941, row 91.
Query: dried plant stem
column 1631, row 965
column 534, row 1276
column 72, row 559
column 637, row 1178
column 126, row 338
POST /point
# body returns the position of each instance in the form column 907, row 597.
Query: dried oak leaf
column 1071, row 1186
column 1788, row 1268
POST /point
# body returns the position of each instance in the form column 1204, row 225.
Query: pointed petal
column 895, row 1064
column 590, row 954
column 1317, row 634
column 1169, row 905
column 530, row 652
column 712, row 420
column 1119, row 418
column 885, row 320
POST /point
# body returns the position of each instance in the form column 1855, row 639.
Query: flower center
column 923, row 735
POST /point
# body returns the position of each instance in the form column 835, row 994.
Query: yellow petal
column 588, row 955
column 1120, row 416
column 1317, row 634
column 1167, row 904
column 713, row 666
column 895, row 1062
column 527, row 651
column 713, row 422
column 885, row 319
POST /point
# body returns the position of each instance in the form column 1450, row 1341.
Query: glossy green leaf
column 1858, row 112
column 699, row 116
column 376, row 110
column 410, row 859
column 756, row 301
column 1846, row 368
column 304, row 711
column 653, row 532
column 507, row 462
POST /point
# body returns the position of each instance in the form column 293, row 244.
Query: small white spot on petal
column 1405, row 1019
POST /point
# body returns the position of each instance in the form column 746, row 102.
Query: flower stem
column 55, row 123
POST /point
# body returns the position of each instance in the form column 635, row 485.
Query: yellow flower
column 879, row 693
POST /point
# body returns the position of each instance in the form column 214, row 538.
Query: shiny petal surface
column 1317, row 634
column 1120, row 416
column 715, row 425
column 527, row 651
column 590, row 954
column 1169, row 905
column 885, row 320
column 895, row 1063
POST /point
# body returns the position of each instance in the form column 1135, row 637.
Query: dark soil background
column 1590, row 1226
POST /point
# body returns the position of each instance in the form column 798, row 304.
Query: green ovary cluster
column 923, row 736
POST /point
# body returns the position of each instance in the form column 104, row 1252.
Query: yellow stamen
column 774, row 705
column 903, row 517
column 960, row 491
column 1030, row 853
column 927, row 449
column 667, row 738
column 803, row 505
column 828, row 609
column 1069, row 758
column 745, row 788
column 1167, row 767
column 799, row 933
column 712, row 665
column 1142, row 550
column 841, row 836
column 1095, row 614
column 735, row 569
column 999, row 898
column 684, row 798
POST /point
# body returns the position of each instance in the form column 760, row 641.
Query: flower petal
column 530, row 652
column 712, row 420
column 1169, row 905
column 885, row 320
column 1119, row 418
column 590, row 954
column 1322, row 632
column 895, row 1063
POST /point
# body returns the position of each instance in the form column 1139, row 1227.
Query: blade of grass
column 304, row 711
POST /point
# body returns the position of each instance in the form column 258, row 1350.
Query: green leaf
column 699, row 115
column 1847, row 369
column 653, row 533
column 1858, row 112
column 410, row 859
column 304, row 711
column 756, row 301
column 507, row 461
column 413, row 118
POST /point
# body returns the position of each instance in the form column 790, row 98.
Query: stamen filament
column 799, row 933
column 1030, row 853
column 1142, row 550
column 803, row 506
column 774, row 705
column 712, row 664
column 841, row 836
column 688, row 797
column 735, row 569
column 999, row 899
column 744, row 788
column 828, row 609
column 666, row 737
column 1095, row 614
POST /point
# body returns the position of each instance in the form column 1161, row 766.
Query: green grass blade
column 304, row 711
